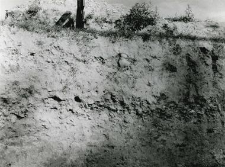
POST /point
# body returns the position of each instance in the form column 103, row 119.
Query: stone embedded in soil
column 13, row 118
column 123, row 63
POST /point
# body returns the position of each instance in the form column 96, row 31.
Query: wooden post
column 6, row 14
column 80, row 14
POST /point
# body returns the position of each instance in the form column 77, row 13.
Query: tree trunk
column 80, row 14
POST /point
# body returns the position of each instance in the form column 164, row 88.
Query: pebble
column 13, row 118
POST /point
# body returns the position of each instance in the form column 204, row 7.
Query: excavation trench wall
column 89, row 101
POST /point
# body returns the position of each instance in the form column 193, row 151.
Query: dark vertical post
column 80, row 14
column 6, row 14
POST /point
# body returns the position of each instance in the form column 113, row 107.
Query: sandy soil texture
column 84, row 100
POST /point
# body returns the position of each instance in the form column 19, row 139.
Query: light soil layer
column 88, row 101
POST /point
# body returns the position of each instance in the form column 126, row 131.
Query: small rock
column 49, row 61
column 139, row 112
column 13, row 118
column 107, row 96
column 5, row 112
column 122, row 63
column 192, row 111
column 90, row 101
column 128, row 119
column 123, row 55
column 111, row 115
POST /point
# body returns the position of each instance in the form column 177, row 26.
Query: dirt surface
column 78, row 99
column 87, row 101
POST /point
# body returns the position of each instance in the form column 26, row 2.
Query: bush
column 33, row 10
column 188, row 17
column 169, row 30
column 89, row 17
column 34, row 24
column 139, row 17
column 102, row 20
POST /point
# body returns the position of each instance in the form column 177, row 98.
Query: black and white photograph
column 112, row 83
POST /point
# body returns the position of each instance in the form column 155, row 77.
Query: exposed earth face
column 81, row 99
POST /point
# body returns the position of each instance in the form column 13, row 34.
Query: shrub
column 34, row 24
column 169, row 30
column 102, row 20
column 140, row 16
column 188, row 17
column 89, row 17
column 33, row 10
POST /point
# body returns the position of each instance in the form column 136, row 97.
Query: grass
column 213, row 26
column 43, row 26
column 182, row 36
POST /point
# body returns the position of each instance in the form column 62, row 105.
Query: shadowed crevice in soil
column 190, row 131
